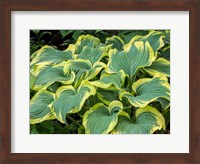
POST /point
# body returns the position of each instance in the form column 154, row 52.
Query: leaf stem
column 127, row 107
column 132, row 80
column 130, row 83
column 73, row 120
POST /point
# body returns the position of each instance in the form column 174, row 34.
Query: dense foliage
column 100, row 82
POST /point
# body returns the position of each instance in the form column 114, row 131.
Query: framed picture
column 114, row 83
column 86, row 84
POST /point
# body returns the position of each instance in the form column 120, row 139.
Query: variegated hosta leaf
column 40, row 107
column 70, row 100
column 148, row 90
column 167, row 36
column 161, row 66
column 33, row 55
column 154, row 38
column 32, row 80
column 164, row 103
column 83, row 69
column 50, row 75
column 93, row 54
column 129, row 35
column 85, row 40
column 165, row 53
column 106, row 80
column 116, row 42
column 96, row 68
column 166, row 115
column 107, row 95
column 101, row 119
column 49, row 55
column 147, row 121
column 136, row 56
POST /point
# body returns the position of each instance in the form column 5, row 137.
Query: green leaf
column 33, row 129
column 122, row 33
column 136, row 56
column 106, row 80
column 147, row 121
column 40, row 107
column 53, row 87
column 166, row 115
column 70, row 100
column 155, row 39
column 45, row 127
column 131, row 34
column 76, row 34
column 167, row 36
column 67, row 129
column 83, row 69
column 165, row 53
column 44, row 33
column 92, row 100
column 48, row 55
column 164, row 103
column 85, row 40
column 116, row 42
column 107, row 95
column 93, row 54
column 64, row 33
column 148, row 90
column 81, row 130
column 50, row 75
column 32, row 80
column 33, row 46
column 36, row 31
column 101, row 119
column 161, row 66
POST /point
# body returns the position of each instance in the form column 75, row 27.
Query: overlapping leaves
column 147, row 120
column 111, row 87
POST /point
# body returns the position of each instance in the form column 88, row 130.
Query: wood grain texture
column 1, row 87
column 6, row 6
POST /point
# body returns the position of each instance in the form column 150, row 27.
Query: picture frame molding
column 7, row 6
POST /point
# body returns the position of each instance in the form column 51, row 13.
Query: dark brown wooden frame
column 6, row 6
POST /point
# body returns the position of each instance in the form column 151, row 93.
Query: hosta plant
column 116, row 85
